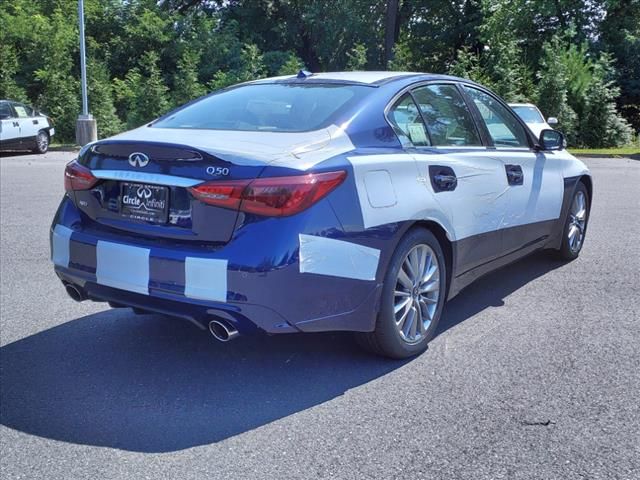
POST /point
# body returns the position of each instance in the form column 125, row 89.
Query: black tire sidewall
column 386, row 331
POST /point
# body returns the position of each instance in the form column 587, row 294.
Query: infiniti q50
column 356, row 201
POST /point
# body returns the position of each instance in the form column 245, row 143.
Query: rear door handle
column 443, row 179
column 514, row 174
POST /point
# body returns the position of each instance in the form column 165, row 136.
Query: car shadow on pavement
column 493, row 288
column 155, row 384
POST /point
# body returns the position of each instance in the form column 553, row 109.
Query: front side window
column 449, row 121
column 406, row 118
column 503, row 127
column 5, row 110
column 268, row 107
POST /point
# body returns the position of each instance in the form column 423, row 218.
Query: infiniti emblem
column 143, row 192
column 138, row 159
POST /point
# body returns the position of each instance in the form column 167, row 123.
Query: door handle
column 443, row 179
column 514, row 174
column 16, row 124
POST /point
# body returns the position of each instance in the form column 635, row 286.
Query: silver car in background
column 531, row 115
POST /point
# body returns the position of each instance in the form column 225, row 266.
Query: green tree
column 100, row 93
column 357, row 57
column 186, row 86
column 553, row 86
column 58, row 84
column 9, row 88
column 143, row 93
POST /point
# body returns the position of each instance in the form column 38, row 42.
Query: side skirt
column 465, row 274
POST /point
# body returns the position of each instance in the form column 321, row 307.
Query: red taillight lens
column 276, row 197
column 78, row 177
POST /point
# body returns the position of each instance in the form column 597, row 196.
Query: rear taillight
column 275, row 197
column 78, row 177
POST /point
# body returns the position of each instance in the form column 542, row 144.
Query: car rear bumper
column 256, row 282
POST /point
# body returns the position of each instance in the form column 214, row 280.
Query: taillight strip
column 270, row 196
column 145, row 177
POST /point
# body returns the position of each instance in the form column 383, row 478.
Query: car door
column 9, row 126
column 451, row 160
column 535, row 181
column 28, row 125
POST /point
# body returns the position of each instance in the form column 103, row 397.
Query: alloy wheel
column 577, row 222
column 43, row 141
column 416, row 293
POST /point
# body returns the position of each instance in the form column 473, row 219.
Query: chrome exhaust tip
column 222, row 331
column 75, row 293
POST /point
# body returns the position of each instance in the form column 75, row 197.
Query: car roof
column 522, row 105
column 372, row 78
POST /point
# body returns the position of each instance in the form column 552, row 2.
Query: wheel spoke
column 414, row 323
column 409, row 322
column 420, row 323
column 573, row 231
column 405, row 280
column 429, row 273
column 402, row 304
column 403, row 318
column 425, row 299
column 401, row 293
column 432, row 286
column 423, row 258
column 415, row 264
column 427, row 313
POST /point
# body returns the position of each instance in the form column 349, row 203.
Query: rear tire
column 575, row 227
column 413, row 296
column 42, row 142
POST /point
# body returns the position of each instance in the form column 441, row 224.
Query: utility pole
column 86, row 128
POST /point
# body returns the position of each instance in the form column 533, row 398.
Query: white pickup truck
column 24, row 128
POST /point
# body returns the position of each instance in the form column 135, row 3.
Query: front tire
column 575, row 227
column 42, row 142
column 413, row 295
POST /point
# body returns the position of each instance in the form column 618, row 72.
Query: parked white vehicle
column 24, row 128
column 531, row 115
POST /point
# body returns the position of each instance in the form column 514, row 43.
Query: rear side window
column 268, row 107
column 503, row 127
column 406, row 118
column 21, row 110
column 449, row 121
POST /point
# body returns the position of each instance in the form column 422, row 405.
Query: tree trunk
column 390, row 30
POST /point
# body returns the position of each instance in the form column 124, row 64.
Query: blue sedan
column 355, row 201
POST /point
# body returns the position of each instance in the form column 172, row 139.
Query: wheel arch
column 588, row 183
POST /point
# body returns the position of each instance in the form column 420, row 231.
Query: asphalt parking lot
column 535, row 372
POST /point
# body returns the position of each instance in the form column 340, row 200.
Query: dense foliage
column 579, row 61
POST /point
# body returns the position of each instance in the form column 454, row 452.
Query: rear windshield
column 529, row 114
column 268, row 107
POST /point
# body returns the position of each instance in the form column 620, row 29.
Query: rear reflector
column 275, row 197
column 78, row 177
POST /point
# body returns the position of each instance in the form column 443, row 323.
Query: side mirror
column 552, row 121
column 551, row 140
column 4, row 116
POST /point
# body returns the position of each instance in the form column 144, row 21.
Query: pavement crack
column 537, row 423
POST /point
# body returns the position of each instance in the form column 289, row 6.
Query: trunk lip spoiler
column 145, row 177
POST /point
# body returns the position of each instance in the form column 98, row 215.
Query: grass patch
column 621, row 151
column 63, row 147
